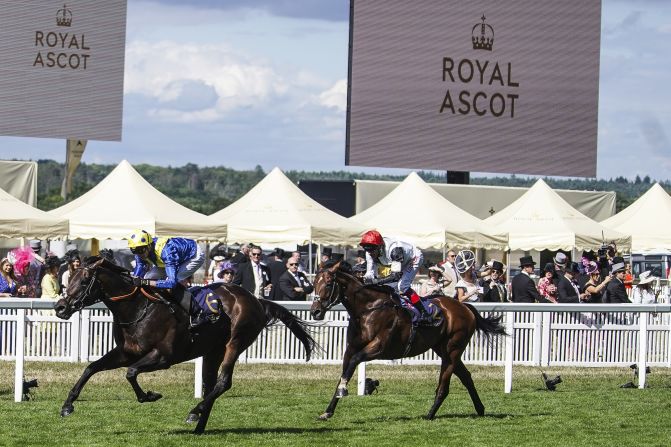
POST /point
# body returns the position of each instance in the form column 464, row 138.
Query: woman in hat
column 73, row 263
column 226, row 274
column 594, row 287
column 50, row 286
column 467, row 289
column 547, row 284
column 494, row 289
column 435, row 284
column 643, row 293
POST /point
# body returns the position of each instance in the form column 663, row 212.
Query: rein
column 79, row 303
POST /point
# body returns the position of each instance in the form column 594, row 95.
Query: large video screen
column 478, row 85
column 62, row 68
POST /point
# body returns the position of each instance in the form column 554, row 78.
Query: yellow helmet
column 139, row 238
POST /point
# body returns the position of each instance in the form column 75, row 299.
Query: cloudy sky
column 242, row 83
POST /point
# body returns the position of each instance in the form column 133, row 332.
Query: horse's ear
column 98, row 263
column 335, row 267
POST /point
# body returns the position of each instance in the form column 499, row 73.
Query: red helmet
column 371, row 237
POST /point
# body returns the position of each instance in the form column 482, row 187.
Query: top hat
column 36, row 244
column 326, row 251
column 497, row 266
column 618, row 265
column 278, row 253
column 560, row 259
column 573, row 268
column 527, row 260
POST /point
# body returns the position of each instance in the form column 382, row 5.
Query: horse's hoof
column 341, row 392
column 191, row 418
column 67, row 410
column 324, row 417
column 151, row 397
column 429, row 417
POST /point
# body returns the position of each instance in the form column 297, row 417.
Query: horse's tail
column 490, row 326
column 297, row 326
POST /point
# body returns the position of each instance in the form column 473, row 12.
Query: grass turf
column 277, row 405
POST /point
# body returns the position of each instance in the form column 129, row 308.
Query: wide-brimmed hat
column 618, row 264
column 436, row 269
column 592, row 267
column 646, row 277
column 560, row 259
column 527, row 260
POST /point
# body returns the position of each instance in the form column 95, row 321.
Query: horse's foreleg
column 465, row 376
column 350, row 361
column 115, row 358
column 150, row 362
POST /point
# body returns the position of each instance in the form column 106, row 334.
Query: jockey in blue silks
column 172, row 260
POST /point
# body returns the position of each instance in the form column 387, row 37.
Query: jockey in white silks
column 396, row 263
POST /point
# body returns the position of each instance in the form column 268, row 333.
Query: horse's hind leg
column 465, row 376
column 115, row 358
column 446, row 369
column 150, row 362
column 201, row 412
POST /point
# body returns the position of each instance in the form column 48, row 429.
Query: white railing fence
column 541, row 334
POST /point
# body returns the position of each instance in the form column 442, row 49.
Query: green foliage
column 209, row 189
column 277, row 405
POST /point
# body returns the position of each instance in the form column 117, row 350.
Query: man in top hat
column 494, row 289
column 567, row 287
column 360, row 257
column 523, row 287
column 326, row 254
column 615, row 291
column 277, row 266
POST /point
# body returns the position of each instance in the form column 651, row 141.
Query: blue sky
column 242, row 83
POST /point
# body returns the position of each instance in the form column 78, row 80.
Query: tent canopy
column 21, row 220
column 416, row 212
column 277, row 212
column 541, row 219
column 124, row 201
column 647, row 220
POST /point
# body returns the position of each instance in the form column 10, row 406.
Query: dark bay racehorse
column 149, row 335
column 379, row 328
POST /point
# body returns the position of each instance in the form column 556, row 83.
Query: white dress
column 468, row 289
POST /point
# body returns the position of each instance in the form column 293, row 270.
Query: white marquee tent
column 647, row 220
column 541, row 219
column 124, row 201
column 21, row 220
column 277, row 212
column 415, row 212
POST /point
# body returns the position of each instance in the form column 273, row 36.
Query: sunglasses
column 293, row 264
column 256, row 254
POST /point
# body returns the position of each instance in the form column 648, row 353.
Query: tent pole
column 310, row 256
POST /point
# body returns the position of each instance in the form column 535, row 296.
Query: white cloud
column 336, row 96
column 160, row 71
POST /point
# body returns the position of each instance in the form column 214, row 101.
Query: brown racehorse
column 149, row 335
column 380, row 328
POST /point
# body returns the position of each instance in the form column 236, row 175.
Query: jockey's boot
column 424, row 316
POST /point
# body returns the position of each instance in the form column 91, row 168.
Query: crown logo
column 64, row 17
column 482, row 36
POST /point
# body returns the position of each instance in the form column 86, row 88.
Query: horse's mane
column 346, row 267
column 90, row 260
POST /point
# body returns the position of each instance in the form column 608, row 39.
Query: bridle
column 336, row 294
column 78, row 304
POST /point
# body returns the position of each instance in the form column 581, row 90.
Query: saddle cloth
column 203, row 299
column 431, row 308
